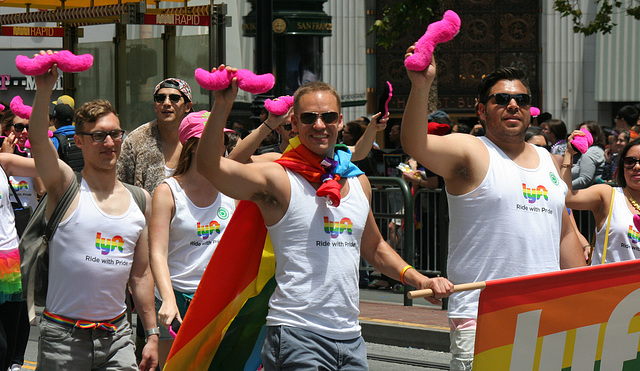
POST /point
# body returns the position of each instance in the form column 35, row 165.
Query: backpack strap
column 138, row 196
column 62, row 206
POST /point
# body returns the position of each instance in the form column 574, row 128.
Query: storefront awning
column 55, row 4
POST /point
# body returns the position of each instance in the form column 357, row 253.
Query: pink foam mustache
column 19, row 108
column 247, row 80
column 279, row 106
column 41, row 63
column 437, row 32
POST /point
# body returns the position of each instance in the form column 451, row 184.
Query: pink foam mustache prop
column 19, row 108
column 247, row 80
column 437, row 32
column 2, row 107
column 41, row 63
column 535, row 111
column 279, row 106
column 636, row 221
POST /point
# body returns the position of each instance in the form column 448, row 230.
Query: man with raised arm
column 506, row 198
column 317, row 242
column 100, row 245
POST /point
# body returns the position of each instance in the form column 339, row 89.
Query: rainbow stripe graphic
column 337, row 228
column 577, row 319
column 633, row 234
column 534, row 194
column 106, row 245
column 20, row 185
column 206, row 230
column 224, row 326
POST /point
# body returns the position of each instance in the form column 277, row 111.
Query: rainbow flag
column 224, row 326
column 578, row 319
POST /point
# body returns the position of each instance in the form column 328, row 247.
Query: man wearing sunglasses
column 151, row 151
column 506, row 197
column 98, row 251
column 315, row 304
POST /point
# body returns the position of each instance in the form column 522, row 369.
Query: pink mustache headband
column 247, row 80
column 41, row 63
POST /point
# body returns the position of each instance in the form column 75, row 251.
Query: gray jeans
column 63, row 347
column 290, row 348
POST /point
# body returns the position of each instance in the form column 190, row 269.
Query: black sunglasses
column 20, row 127
column 310, row 118
column 503, row 99
column 630, row 162
column 160, row 98
column 286, row 127
column 100, row 136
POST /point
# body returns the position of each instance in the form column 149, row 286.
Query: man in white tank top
column 506, row 199
column 100, row 245
column 317, row 246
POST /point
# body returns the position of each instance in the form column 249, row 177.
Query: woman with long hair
column 11, row 304
column 189, row 217
column 622, row 240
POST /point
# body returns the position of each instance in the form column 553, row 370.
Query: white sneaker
column 16, row 367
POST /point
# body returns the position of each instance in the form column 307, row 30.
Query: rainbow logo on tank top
column 337, row 228
column 534, row 194
column 20, row 185
column 633, row 234
column 107, row 245
column 204, row 230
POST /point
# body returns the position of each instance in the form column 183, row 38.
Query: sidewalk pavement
column 385, row 320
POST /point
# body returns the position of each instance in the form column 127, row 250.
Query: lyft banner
column 577, row 319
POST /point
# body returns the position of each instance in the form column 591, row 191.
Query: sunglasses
column 100, row 136
column 630, row 162
column 310, row 118
column 286, row 127
column 20, row 127
column 161, row 98
column 503, row 99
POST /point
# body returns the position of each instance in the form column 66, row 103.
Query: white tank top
column 8, row 233
column 194, row 235
column 317, row 250
column 624, row 238
column 25, row 190
column 90, row 259
column 508, row 226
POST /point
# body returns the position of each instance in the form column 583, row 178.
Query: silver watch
column 152, row 331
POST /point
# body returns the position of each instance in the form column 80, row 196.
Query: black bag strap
column 62, row 206
column 138, row 196
column 15, row 194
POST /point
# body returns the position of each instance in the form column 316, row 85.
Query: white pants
column 462, row 335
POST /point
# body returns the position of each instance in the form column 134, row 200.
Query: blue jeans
column 63, row 347
column 290, row 348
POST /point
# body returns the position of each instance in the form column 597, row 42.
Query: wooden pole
column 456, row 288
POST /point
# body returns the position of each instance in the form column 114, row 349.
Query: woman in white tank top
column 189, row 217
column 614, row 208
column 10, row 279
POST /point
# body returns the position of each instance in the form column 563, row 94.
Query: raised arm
column 460, row 159
column 55, row 174
column 264, row 183
column 365, row 143
column 15, row 165
column 247, row 147
column 595, row 198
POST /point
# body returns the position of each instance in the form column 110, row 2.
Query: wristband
column 404, row 270
column 265, row 122
column 152, row 331
column 585, row 246
column 564, row 166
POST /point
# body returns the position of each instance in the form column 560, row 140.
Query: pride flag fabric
column 578, row 319
column 223, row 328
